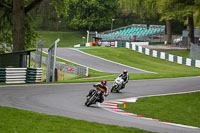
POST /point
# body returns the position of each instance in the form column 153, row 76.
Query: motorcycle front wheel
column 89, row 101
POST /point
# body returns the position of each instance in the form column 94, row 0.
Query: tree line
column 19, row 19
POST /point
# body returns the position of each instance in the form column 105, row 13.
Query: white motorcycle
column 117, row 85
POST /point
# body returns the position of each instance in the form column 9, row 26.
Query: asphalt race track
column 93, row 62
column 68, row 100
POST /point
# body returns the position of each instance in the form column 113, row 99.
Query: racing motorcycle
column 117, row 85
column 92, row 99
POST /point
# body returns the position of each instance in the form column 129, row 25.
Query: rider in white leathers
column 125, row 77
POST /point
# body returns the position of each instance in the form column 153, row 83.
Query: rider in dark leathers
column 103, row 87
column 125, row 77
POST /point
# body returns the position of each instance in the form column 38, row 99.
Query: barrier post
column 57, row 75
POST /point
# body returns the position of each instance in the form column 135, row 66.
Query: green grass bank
column 182, row 53
column 160, row 68
column 67, row 39
column 181, row 108
column 21, row 121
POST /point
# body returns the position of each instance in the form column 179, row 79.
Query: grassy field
column 182, row 108
column 183, row 53
column 161, row 68
column 20, row 121
column 67, row 39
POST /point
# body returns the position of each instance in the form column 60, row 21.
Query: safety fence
column 195, row 51
column 68, row 68
column 138, row 46
column 20, row 75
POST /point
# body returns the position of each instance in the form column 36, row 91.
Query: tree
column 187, row 9
column 146, row 10
column 165, row 8
column 87, row 14
column 184, row 10
column 18, row 9
column 168, row 10
column 45, row 17
column 5, row 20
column 197, row 19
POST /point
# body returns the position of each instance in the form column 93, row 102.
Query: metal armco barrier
column 20, row 75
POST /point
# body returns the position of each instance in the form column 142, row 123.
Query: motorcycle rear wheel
column 113, row 89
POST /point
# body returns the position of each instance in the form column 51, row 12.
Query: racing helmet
column 125, row 72
column 103, row 82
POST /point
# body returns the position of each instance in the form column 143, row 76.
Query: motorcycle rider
column 103, row 87
column 125, row 77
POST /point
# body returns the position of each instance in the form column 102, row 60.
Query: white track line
column 95, row 77
column 112, row 107
column 111, row 61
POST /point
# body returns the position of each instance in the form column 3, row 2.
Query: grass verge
column 181, row 108
column 21, row 121
column 67, row 39
column 162, row 68
column 182, row 53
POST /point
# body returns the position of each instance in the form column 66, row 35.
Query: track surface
column 68, row 100
column 93, row 62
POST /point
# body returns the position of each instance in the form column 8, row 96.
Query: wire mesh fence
column 38, row 55
column 195, row 52
column 68, row 68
